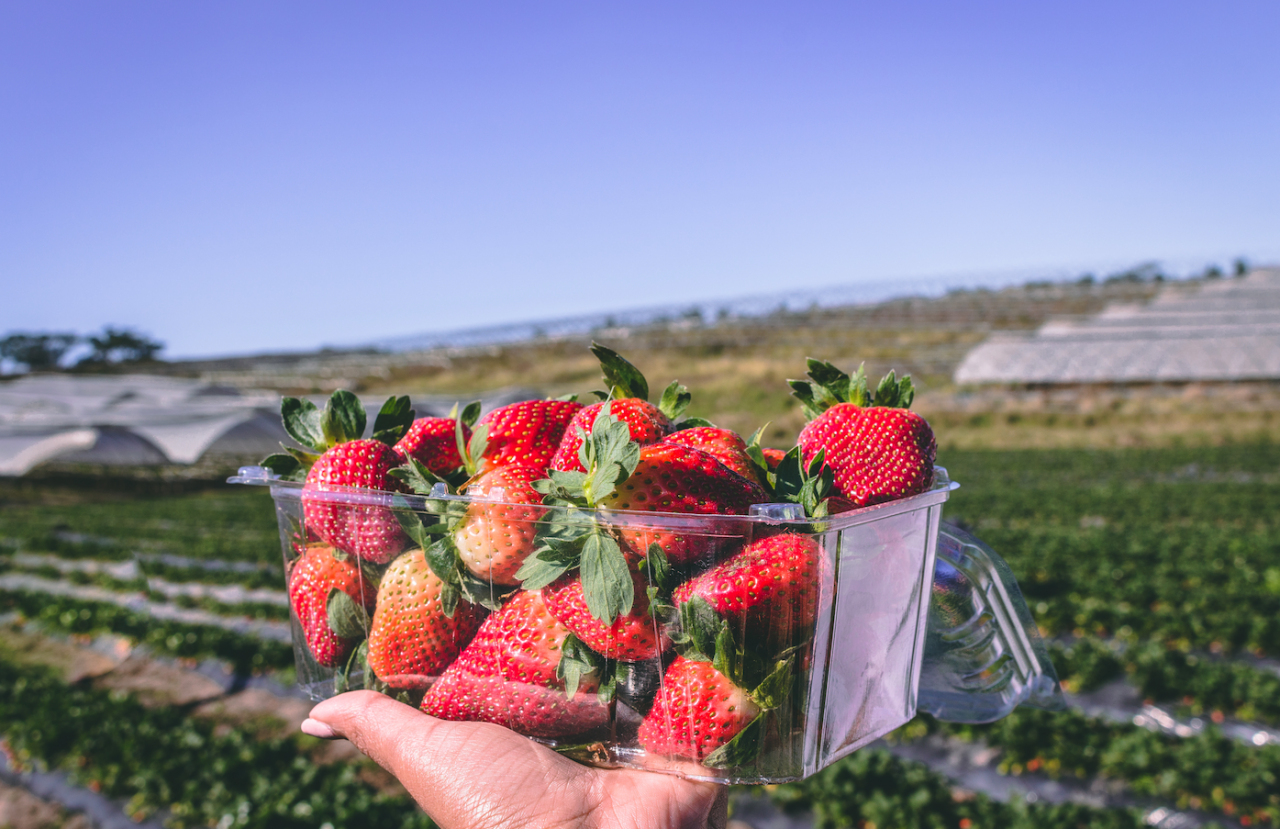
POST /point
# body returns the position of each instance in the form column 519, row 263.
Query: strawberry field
column 1154, row 573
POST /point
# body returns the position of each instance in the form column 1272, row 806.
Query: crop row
column 1199, row 684
column 69, row 615
column 160, row 759
column 1206, row 771
column 235, row 524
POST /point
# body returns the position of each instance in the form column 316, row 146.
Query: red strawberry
column 773, row 457
column 433, row 441
column 337, row 459
column 728, row 447
column 313, row 581
column 631, row 637
column 368, row 531
column 878, row 450
column 412, row 639
column 511, row 675
column 647, row 424
column 526, row 433
column 696, row 711
column 494, row 539
column 679, row 479
column 769, row 589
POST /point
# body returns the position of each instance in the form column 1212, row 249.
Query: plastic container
column 855, row 673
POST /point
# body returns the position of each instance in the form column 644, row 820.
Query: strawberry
column 877, row 449
column 728, row 447
column 773, row 457
column 768, row 590
column 523, row 670
column 670, row 478
column 414, row 636
column 703, row 709
column 494, row 539
column 526, row 433
column 628, row 401
column 341, row 460
column 433, row 441
column 632, row 636
column 646, row 422
column 369, row 532
column 331, row 597
column 697, row 710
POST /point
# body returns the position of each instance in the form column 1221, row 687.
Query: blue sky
column 239, row 177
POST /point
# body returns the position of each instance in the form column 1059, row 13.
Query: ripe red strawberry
column 411, row 638
column 433, row 441
column 878, row 450
column 632, row 636
column 313, row 581
column 337, row 459
column 768, row 590
column 511, row 674
column 670, row 478
column 494, row 539
column 773, row 457
column 646, row 421
column 367, row 531
column 696, row 711
column 727, row 445
column 526, row 433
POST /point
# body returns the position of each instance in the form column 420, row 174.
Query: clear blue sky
column 234, row 176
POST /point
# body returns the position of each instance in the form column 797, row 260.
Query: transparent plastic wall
column 846, row 673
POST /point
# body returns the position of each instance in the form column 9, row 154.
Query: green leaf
column 613, row 456
column 541, row 569
column 449, row 596
column 578, row 663
column 343, row 418
column 659, row 568
column 442, row 558
column 624, row 379
column 468, row 462
column 802, row 390
column 742, row 750
column 393, row 420
column 675, row 399
column 700, row 625
column 568, row 398
column 470, row 413
column 301, row 420
column 726, row 659
column 834, row 384
column 358, row 657
column 414, row 473
column 478, row 444
column 774, row 688
column 895, row 394
column 307, row 459
column 286, row 466
column 693, row 423
column 346, row 618
column 606, row 579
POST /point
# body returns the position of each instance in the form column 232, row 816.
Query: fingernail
column 318, row 729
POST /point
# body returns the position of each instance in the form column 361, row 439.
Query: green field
column 1157, row 567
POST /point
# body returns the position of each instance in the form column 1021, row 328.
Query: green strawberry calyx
column 828, row 386
column 342, row 419
column 625, row 380
column 572, row 537
column 704, row 636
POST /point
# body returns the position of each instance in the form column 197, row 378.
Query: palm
column 476, row 775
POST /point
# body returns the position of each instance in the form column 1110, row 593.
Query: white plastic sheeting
column 130, row 419
column 1228, row 330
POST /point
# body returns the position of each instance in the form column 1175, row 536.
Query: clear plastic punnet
column 909, row 614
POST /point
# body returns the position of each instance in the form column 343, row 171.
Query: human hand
column 478, row 775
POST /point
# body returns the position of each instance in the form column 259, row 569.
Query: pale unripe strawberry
column 494, row 538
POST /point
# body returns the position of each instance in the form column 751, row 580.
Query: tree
column 38, row 352
column 1241, row 266
column 121, row 345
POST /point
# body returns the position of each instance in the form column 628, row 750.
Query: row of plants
column 1207, row 771
column 245, row 653
column 163, row 762
column 1197, row 684
column 234, row 524
column 248, row 609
